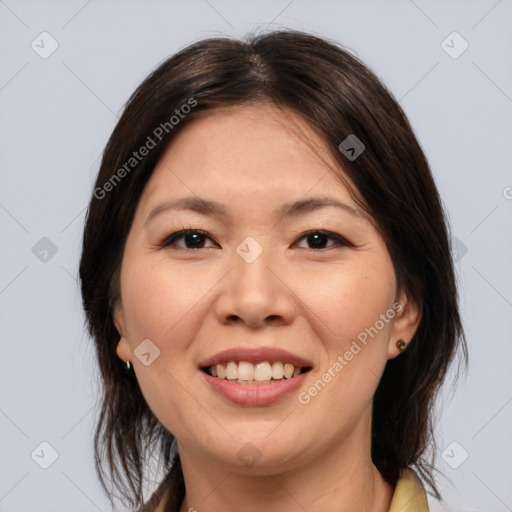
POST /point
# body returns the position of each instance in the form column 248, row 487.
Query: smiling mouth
column 245, row 373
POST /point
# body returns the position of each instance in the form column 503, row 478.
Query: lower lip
column 256, row 394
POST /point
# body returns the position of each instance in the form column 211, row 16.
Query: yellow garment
column 409, row 495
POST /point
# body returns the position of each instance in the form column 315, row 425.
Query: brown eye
column 192, row 239
column 318, row 239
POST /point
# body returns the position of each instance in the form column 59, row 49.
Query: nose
column 255, row 294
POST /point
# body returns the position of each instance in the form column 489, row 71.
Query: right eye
column 193, row 239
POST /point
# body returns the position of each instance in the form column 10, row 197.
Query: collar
column 409, row 495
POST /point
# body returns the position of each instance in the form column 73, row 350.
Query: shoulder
column 409, row 495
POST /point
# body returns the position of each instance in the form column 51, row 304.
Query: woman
column 266, row 274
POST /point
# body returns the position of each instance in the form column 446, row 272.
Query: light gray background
column 56, row 116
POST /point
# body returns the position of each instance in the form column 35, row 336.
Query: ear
column 405, row 323
column 123, row 347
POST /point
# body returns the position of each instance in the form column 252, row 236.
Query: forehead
column 260, row 152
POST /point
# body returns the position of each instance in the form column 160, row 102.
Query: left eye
column 318, row 239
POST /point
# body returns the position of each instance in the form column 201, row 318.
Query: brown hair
column 338, row 96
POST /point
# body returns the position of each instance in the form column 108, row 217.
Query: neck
column 342, row 479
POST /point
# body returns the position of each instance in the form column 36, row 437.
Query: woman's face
column 249, row 289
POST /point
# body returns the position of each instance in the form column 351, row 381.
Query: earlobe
column 405, row 325
column 123, row 349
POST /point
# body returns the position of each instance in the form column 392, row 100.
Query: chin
column 261, row 453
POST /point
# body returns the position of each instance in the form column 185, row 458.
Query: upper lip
column 255, row 356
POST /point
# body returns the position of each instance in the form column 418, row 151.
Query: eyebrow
column 290, row 209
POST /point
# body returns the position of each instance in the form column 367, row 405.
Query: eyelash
column 340, row 241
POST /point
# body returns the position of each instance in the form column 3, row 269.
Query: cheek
column 356, row 313
column 350, row 300
column 161, row 304
column 159, row 299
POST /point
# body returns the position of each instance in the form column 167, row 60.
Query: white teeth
column 288, row 370
column 232, row 371
column 262, row 371
column 277, row 370
column 247, row 373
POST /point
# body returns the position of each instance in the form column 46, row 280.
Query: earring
column 401, row 344
column 127, row 366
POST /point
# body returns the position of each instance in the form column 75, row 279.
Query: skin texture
column 313, row 302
